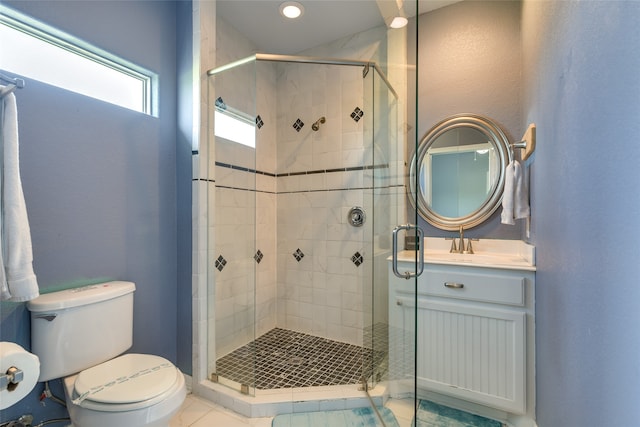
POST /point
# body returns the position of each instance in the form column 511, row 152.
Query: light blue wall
column 100, row 184
column 582, row 84
column 469, row 61
column 100, row 181
column 184, row 175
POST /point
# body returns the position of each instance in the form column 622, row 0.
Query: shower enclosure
column 307, row 160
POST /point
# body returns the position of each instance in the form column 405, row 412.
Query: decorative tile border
column 309, row 172
column 302, row 173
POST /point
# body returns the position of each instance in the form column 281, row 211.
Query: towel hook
column 14, row 84
column 527, row 143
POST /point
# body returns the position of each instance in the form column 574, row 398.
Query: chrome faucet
column 460, row 247
column 454, row 248
column 469, row 249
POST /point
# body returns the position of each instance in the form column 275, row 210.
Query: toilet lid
column 126, row 379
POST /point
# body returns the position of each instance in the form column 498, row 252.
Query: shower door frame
column 366, row 65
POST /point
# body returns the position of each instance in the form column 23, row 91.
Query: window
column 61, row 60
column 235, row 127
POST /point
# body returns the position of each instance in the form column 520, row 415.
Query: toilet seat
column 126, row 383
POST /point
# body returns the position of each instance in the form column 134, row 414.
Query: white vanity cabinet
column 475, row 332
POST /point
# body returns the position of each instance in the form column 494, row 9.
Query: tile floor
column 289, row 359
column 197, row 412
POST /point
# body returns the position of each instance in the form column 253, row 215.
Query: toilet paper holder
column 10, row 379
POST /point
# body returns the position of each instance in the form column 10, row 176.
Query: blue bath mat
column 358, row 417
column 433, row 415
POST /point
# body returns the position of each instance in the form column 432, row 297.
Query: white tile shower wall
column 204, row 53
column 266, row 202
column 322, row 288
column 243, row 302
column 323, row 293
column 210, row 286
column 245, row 297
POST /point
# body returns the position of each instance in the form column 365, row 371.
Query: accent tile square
column 298, row 125
column 220, row 263
column 357, row 114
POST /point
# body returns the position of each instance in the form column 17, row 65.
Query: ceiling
column 323, row 20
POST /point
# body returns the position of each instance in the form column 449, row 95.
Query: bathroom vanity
column 475, row 321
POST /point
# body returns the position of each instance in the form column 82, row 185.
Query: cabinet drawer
column 486, row 287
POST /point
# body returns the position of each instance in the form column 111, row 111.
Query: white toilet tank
column 75, row 329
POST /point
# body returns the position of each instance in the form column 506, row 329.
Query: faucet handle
column 453, row 249
column 469, row 247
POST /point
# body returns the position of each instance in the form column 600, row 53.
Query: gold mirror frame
column 496, row 137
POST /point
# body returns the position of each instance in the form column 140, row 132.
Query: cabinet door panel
column 472, row 352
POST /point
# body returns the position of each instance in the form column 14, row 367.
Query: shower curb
column 275, row 402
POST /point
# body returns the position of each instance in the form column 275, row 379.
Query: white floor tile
column 197, row 412
column 221, row 418
column 192, row 410
column 401, row 407
column 261, row 422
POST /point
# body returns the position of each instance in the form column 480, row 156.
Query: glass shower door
column 330, row 139
column 390, row 330
column 232, row 227
column 382, row 192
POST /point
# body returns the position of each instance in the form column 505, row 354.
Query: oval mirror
column 457, row 174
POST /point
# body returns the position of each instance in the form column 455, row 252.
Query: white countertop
column 489, row 253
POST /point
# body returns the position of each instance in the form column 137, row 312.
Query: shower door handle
column 407, row 274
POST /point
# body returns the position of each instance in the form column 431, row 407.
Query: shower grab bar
column 420, row 240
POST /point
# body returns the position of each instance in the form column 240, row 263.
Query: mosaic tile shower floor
column 285, row 359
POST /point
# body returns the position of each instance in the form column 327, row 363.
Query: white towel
column 508, row 193
column 515, row 199
column 17, row 279
column 521, row 196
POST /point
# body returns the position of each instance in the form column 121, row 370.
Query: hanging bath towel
column 515, row 200
column 521, row 207
column 17, row 279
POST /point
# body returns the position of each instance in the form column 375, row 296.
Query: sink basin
column 486, row 259
column 509, row 254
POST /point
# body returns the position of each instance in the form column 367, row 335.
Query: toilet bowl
column 150, row 392
column 80, row 335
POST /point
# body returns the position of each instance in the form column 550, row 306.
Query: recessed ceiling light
column 399, row 22
column 291, row 9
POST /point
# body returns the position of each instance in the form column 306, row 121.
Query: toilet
column 80, row 335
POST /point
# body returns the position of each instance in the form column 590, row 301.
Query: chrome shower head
column 317, row 124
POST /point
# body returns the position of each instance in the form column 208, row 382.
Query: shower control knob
column 356, row 216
